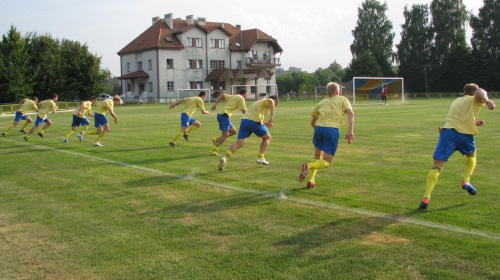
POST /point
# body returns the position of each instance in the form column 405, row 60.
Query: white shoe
column 65, row 140
column 222, row 163
column 81, row 136
column 262, row 161
column 97, row 144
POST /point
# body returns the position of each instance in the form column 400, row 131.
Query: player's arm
column 350, row 132
column 176, row 104
column 113, row 115
column 217, row 101
column 271, row 117
column 20, row 104
column 313, row 122
column 481, row 96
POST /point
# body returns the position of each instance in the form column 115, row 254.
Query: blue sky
column 312, row 34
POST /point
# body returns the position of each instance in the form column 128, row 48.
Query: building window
column 170, row 64
column 217, row 44
column 195, row 84
column 222, row 85
column 128, row 66
column 266, row 56
column 139, row 66
column 151, row 86
column 195, row 64
column 194, row 42
column 252, row 89
column 255, row 54
column 129, row 87
column 217, row 64
column 150, row 64
column 238, row 64
column 170, row 86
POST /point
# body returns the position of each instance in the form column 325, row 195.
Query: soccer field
column 137, row 208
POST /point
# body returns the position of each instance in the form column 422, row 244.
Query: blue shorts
column 39, row 120
column 225, row 123
column 450, row 141
column 186, row 120
column 77, row 121
column 19, row 116
column 326, row 139
column 100, row 120
column 247, row 127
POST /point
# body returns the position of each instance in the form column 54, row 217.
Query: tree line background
column 432, row 56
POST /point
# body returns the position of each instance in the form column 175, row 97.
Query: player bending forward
column 326, row 121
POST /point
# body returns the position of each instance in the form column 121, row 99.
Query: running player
column 188, row 123
column 25, row 105
column 101, row 121
column 46, row 106
column 80, row 119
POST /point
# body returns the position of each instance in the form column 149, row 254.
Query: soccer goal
column 320, row 92
column 183, row 93
column 256, row 92
column 368, row 90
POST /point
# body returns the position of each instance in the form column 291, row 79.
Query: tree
column 414, row 48
column 15, row 80
column 338, row 72
column 323, row 76
column 373, row 35
column 365, row 65
column 486, row 44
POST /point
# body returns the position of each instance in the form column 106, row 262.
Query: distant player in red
column 384, row 95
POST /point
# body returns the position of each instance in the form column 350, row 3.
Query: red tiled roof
column 135, row 75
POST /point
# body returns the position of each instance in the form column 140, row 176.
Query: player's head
column 243, row 92
column 332, row 89
column 55, row 97
column 34, row 98
column 276, row 99
column 202, row 93
column 470, row 89
column 117, row 100
column 93, row 99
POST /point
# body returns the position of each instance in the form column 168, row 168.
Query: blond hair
column 332, row 88
column 470, row 89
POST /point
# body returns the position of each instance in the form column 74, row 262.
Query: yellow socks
column 432, row 179
column 42, row 131
column 93, row 132
column 84, row 128
column 319, row 164
column 177, row 136
column 228, row 154
column 69, row 133
column 260, row 155
column 470, row 164
column 25, row 125
column 312, row 175
column 100, row 137
column 8, row 129
column 191, row 129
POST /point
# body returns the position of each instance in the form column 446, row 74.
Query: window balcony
column 262, row 62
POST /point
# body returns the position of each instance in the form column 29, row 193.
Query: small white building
column 193, row 54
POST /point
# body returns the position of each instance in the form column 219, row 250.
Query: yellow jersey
column 330, row 111
column 46, row 106
column 232, row 103
column 193, row 103
column 28, row 105
column 258, row 111
column 87, row 108
column 463, row 113
column 104, row 105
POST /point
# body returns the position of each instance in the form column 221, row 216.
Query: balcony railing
column 261, row 61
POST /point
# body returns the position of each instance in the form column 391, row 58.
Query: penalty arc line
column 279, row 195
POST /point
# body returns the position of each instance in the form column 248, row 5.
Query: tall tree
column 15, row 80
column 365, row 65
column 373, row 34
column 486, row 44
column 414, row 48
column 338, row 72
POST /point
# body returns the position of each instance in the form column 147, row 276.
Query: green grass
column 140, row 209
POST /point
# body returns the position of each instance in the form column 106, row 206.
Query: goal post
column 183, row 93
column 368, row 90
column 256, row 92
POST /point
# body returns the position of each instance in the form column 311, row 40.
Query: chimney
column 238, row 26
column 169, row 20
column 221, row 24
column 155, row 19
column 202, row 21
column 189, row 20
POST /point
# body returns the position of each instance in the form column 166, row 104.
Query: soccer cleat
column 4, row 134
column 41, row 135
column 222, row 163
column 212, row 153
column 425, row 203
column 26, row 138
column 469, row 188
column 97, row 144
column 303, row 172
column 80, row 136
column 172, row 144
column 23, row 131
column 310, row 184
column 65, row 140
column 262, row 161
column 186, row 137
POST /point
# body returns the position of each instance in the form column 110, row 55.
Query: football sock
column 319, row 164
column 69, row 133
column 216, row 147
column 9, row 128
column 260, row 155
column 25, row 125
column 191, row 129
column 42, row 131
column 177, row 136
column 312, row 175
column 84, row 128
column 93, row 132
column 470, row 164
column 100, row 136
column 432, row 179
column 228, row 154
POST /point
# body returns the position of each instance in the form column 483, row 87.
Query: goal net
column 256, row 92
column 368, row 90
column 183, row 93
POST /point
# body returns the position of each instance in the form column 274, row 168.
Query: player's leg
column 48, row 123
column 28, row 120
column 470, row 165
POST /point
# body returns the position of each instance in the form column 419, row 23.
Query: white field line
column 34, row 113
column 279, row 195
